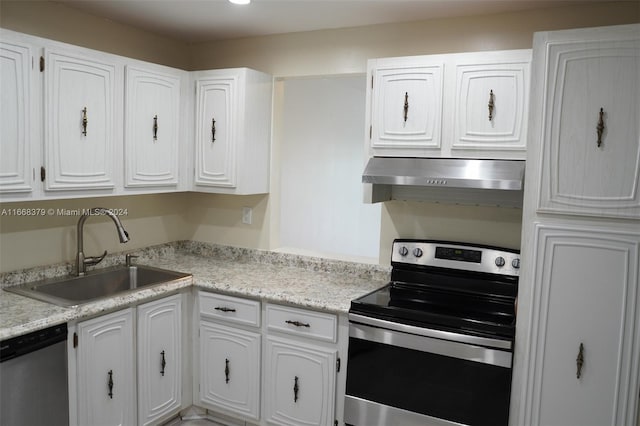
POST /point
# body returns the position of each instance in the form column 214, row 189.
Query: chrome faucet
column 81, row 260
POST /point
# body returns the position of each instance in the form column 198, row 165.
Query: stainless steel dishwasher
column 33, row 379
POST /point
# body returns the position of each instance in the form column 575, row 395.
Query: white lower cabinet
column 299, row 383
column 266, row 365
column 230, row 369
column 109, row 369
column 229, row 363
column 106, row 366
column 159, row 359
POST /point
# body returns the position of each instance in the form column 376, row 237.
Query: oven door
column 404, row 375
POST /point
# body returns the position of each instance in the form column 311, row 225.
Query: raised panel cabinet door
column 106, row 370
column 79, row 122
column 491, row 106
column 216, row 102
column 299, row 383
column 159, row 359
column 15, row 117
column 406, row 109
column 230, row 369
column 152, row 104
column 584, row 353
column 591, row 127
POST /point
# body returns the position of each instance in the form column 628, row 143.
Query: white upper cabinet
column 591, row 125
column 406, row 105
column 456, row 105
column 215, row 125
column 232, row 131
column 492, row 98
column 152, row 126
column 15, row 117
column 80, row 128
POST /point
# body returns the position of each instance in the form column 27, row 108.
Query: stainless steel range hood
column 460, row 181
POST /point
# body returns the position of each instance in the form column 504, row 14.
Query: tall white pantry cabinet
column 578, row 354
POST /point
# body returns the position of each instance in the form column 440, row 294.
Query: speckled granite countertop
column 306, row 282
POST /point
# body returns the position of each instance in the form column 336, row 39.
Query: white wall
column 321, row 156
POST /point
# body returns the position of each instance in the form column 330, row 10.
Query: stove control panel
column 456, row 256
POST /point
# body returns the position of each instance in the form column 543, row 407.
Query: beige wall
column 347, row 50
column 27, row 241
column 161, row 218
column 62, row 23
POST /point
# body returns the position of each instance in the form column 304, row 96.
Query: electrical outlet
column 247, row 212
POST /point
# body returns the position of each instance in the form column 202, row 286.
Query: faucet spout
column 81, row 260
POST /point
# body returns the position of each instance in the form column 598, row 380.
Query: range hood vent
column 449, row 180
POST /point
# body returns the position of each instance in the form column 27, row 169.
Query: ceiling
column 210, row 20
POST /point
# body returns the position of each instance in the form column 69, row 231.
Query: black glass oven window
column 439, row 386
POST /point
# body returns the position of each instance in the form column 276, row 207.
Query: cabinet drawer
column 228, row 308
column 315, row 325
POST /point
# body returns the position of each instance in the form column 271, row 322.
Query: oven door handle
column 459, row 350
column 489, row 342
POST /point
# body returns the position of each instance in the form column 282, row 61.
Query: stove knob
column 515, row 263
column 417, row 252
column 499, row 261
column 403, row 251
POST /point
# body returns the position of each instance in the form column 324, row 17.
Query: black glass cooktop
column 458, row 304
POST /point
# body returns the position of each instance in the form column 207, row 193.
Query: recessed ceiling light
column 240, row 1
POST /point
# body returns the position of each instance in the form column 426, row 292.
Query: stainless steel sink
column 95, row 285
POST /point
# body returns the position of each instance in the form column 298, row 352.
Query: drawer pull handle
column 600, row 126
column 213, row 130
column 406, row 105
column 580, row 361
column 163, row 363
column 110, row 384
column 296, row 388
column 297, row 323
column 226, row 370
column 491, row 105
column 155, row 128
column 224, row 309
column 85, row 121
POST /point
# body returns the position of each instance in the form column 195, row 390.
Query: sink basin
column 95, row 285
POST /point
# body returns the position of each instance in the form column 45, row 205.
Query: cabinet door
column 159, row 359
column 299, row 383
column 406, row 109
column 230, row 369
column 585, row 307
column 152, row 107
column 79, row 122
column 591, row 127
column 106, row 377
column 216, row 131
column 15, row 117
column 491, row 105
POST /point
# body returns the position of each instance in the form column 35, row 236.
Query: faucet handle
column 94, row 260
column 128, row 258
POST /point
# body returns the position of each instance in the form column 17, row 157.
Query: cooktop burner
column 448, row 286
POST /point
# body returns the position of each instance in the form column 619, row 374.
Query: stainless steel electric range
column 435, row 346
